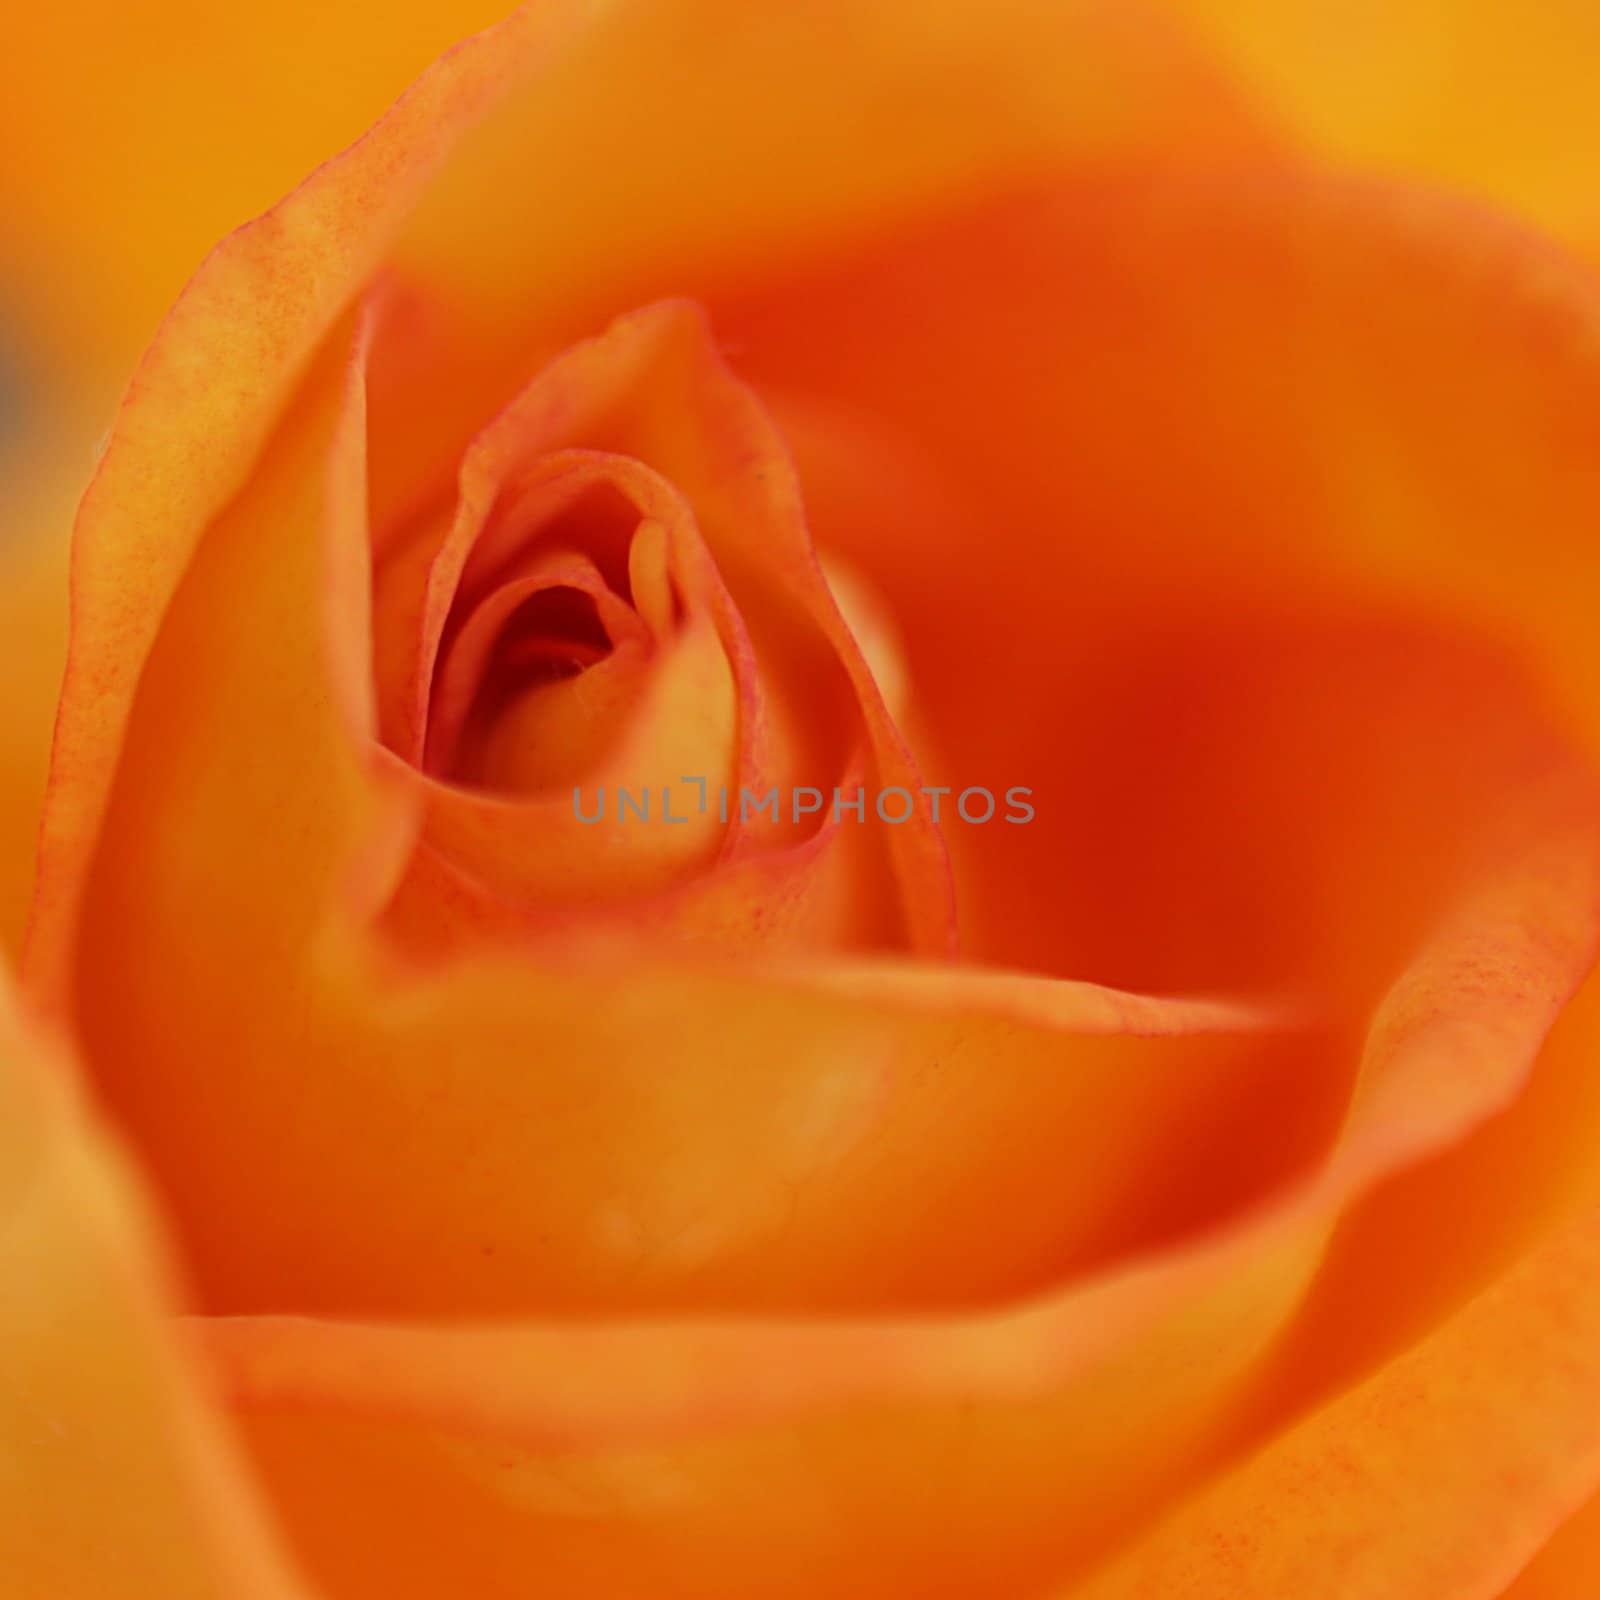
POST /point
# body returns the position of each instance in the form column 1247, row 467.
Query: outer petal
column 1349, row 405
column 883, row 1457
column 103, row 233
column 1266, row 506
column 1441, row 1475
column 1564, row 1568
column 116, row 1481
column 688, row 138
column 209, row 391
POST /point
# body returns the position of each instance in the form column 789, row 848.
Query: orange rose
column 1186, row 1187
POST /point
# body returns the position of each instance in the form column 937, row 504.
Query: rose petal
column 199, row 411
column 651, row 397
column 1278, row 563
column 777, row 1147
column 535, row 850
column 1007, row 1446
column 1565, row 1566
column 671, row 118
column 1440, row 1475
column 573, row 1128
column 115, row 1476
column 984, row 92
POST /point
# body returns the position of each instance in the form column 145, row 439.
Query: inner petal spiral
column 625, row 602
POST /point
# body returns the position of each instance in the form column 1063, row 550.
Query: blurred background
column 133, row 137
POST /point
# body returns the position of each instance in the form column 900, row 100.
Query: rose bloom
column 1186, row 1190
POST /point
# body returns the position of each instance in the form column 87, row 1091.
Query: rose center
column 545, row 652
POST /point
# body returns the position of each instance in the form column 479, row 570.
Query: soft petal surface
column 205, row 398
column 807, row 124
column 1266, row 506
column 883, row 1456
column 1565, row 1566
column 116, row 1479
column 1438, row 1476
column 99, row 239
